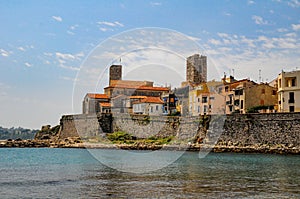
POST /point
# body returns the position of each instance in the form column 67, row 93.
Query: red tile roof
column 137, row 97
column 130, row 83
column 105, row 104
column 97, row 96
column 154, row 100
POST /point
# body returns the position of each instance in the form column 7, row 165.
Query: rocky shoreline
column 267, row 149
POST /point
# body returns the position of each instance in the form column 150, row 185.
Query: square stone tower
column 196, row 69
column 115, row 73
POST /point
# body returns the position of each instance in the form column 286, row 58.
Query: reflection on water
column 73, row 173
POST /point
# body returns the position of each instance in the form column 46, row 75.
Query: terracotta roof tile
column 130, row 83
column 155, row 100
column 97, row 96
column 137, row 97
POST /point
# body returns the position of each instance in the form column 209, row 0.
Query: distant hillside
column 15, row 133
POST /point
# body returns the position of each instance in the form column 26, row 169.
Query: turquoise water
column 74, row 173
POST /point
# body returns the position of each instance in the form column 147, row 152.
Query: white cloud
column 193, row 38
column 119, row 24
column 111, row 24
column 70, row 32
column 259, row 20
column 68, row 78
column 67, row 60
column 27, row 64
column 250, row 2
column 106, row 23
column 5, row 53
column 65, row 56
column 223, row 35
column 214, row 42
column 294, row 3
column 227, row 14
column 155, row 3
column 296, row 27
column 103, row 29
column 57, row 18
column 292, row 34
column 271, row 11
column 282, row 30
column 48, row 54
column 21, row 48
column 74, row 27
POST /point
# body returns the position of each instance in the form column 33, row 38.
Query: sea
column 78, row 173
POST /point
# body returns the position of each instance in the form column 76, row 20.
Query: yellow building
column 242, row 96
column 199, row 100
column 289, row 91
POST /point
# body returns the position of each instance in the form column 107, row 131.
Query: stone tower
column 115, row 73
column 196, row 69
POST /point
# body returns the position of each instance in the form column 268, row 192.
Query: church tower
column 115, row 73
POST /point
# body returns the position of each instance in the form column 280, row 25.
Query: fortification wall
column 85, row 125
column 229, row 130
column 256, row 129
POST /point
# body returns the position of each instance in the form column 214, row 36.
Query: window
column 238, row 92
column 151, row 109
column 263, row 91
column 156, row 107
column 198, row 99
column 292, row 109
column 220, row 90
column 279, row 83
column 230, row 108
column 294, row 81
column 205, row 109
column 204, row 99
column 198, row 109
column 226, row 89
column 291, row 97
column 262, row 102
column 242, row 104
column 274, row 92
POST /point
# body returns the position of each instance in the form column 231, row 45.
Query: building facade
column 199, row 100
column 149, row 106
column 91, row 102
column 289, row 91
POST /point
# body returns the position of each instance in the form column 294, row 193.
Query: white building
column 289, row 91
column 149, row 106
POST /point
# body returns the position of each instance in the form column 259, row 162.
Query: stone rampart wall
column 236, row 130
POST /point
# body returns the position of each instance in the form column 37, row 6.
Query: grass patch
column 121, row 137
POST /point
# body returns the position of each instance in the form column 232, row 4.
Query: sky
column 47, row 46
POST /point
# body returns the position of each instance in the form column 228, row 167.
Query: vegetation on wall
column 256, row 109
column 121, row 137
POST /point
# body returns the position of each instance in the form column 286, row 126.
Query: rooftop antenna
column 259, row 76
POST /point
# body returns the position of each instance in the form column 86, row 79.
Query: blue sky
column 44, row 43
